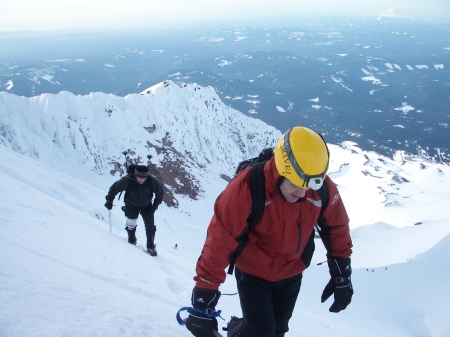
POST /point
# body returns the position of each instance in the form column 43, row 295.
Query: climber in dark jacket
column 139, row 189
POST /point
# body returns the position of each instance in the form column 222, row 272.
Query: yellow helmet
column 302, row 156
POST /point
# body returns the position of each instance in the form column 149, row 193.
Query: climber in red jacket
column 280, row 246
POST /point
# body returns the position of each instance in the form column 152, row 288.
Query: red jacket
column 276, row 243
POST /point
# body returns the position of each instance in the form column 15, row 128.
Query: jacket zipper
column 299, row 238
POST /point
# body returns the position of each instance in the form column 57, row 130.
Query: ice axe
column 149, row 156
column 110, row 223
column 126, row 160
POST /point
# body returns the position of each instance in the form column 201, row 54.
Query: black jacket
column 137, row 195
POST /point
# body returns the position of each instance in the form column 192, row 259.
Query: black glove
column 155, row 207
column 109, row 204
column 150, row 209
column 198, row 324
column 340, row 284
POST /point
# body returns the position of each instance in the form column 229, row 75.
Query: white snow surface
column 63, row 273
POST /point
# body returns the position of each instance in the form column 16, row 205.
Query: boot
column 234, row 327
column 131, row 235
column 152, row 250
column 151, row 247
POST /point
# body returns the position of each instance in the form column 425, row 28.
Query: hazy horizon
column 140, row 14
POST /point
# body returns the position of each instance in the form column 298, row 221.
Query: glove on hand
column 109, row 204
column 340, row 284
column 150, row 209
column 154, row 208
column 198, row 324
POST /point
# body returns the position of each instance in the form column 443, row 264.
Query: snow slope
column 62, row 273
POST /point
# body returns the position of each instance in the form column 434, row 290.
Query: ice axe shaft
column 110, row 223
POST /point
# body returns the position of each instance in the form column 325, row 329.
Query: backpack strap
column 258, row 192
column 324, row 197
column 122, row 191
column 322, row 226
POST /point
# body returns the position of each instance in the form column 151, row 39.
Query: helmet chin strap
column 280, row 181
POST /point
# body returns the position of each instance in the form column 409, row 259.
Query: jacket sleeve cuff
column 205, row 284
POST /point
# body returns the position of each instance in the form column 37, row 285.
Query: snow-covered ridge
column 188, row 127
column 196, row 142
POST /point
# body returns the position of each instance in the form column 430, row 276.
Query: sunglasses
column 141, row 177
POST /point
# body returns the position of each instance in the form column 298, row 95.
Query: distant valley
column 384, row 84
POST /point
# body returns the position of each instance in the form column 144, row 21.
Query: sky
column 164, row 14
column 66, row 269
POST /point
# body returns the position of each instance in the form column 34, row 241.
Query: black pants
column 266, row 306
column 148, row 216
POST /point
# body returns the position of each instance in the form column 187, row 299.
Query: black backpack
column 129, row 166
column 264, row 156
column 258, row 192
